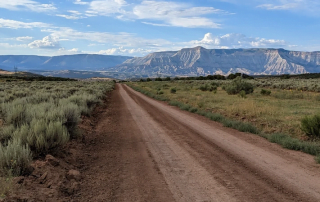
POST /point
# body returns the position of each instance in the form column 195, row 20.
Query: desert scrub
column 271, row 114
column 238, row 85
column 14, row 158
column 311, row 126
column 265, row 92
column 40, row 117
column 173, row 90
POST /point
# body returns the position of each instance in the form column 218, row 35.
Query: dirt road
column 145, row 150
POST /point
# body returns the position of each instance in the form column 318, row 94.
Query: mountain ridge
column 91, row 62
column 201, row 61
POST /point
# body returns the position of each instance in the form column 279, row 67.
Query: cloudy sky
column 138, row 27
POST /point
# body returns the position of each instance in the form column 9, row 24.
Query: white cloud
column 24, row 38
column 13, row 24
column 114, row 39
column 157, row 13
column 288, row 6
column 305, row 7
column 7, row 45
column 106, row 7
column 48, row 42
column 124, row 51
column 175, row 14
column 26, row 5
column 63, row 51
column 237, row 41
column 74, row 15
column 80, row 2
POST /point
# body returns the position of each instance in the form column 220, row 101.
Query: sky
column 139, row 27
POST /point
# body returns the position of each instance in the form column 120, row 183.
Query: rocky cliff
column 201, row 61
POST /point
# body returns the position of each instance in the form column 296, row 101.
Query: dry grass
column 281, row 112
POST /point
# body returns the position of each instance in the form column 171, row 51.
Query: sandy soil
column 140, row 149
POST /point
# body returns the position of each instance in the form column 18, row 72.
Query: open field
column 279, row 112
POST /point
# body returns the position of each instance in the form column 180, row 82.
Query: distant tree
column 167, row 79
column 158, row 79
column 148, row 79
column 245, row 76
column 285, row 76
column 231, row 76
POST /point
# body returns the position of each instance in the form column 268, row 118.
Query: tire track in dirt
column 118, row 165
column 202, row 162
column 187, row 180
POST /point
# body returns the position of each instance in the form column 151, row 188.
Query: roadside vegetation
column 283, row 110
column 39, row 117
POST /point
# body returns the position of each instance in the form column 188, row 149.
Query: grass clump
column 265, row 92
column 295, row 144
column 241, row 126
column 173, row 90
column 311, row 126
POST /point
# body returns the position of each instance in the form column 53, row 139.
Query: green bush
column 237, row 85
column 265, row 92
column 14, row 158
column 173, row 90
column 204, row 87
column 311, row 126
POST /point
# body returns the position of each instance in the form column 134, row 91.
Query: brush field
column 39, row 117
column 279, row 111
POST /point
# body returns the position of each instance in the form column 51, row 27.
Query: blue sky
column 138, row 27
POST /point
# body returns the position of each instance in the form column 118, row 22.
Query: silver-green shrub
column 14, row 158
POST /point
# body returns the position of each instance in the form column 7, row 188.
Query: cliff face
column 201, row 61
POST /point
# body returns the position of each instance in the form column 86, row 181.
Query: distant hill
column 200, row 61
column 87, row 74
column 89, row 62
column 19, row 74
